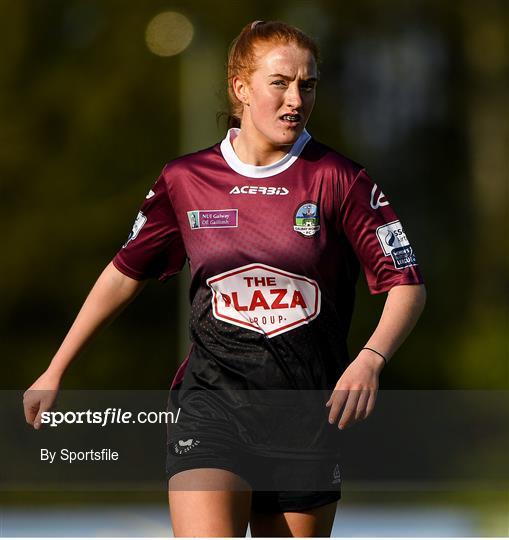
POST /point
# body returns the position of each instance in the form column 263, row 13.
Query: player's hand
column 40, row 397
column 355, row 392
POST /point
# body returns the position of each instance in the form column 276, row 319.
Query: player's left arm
column 356, row 390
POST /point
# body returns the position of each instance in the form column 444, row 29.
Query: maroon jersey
column 274, row 253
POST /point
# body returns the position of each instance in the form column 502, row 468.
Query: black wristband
column 376, row 352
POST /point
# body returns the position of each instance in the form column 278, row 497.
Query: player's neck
column 253, row 149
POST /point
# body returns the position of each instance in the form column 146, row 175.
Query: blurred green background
column 90, row 111
column 416, row 91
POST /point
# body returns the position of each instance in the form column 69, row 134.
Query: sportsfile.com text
column 111, row 415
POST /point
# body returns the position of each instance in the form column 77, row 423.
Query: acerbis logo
column 264, row 190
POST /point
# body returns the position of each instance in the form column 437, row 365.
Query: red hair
column 242, row 56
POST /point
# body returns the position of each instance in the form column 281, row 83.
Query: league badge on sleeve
column 307, row 221
column 394, row 242
column 141, row 219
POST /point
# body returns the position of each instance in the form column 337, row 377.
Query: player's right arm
column 154, row 249
column 112, row 292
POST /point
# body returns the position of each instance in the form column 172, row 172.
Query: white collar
column 261, row 171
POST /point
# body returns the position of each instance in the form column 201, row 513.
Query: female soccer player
column 275, row 227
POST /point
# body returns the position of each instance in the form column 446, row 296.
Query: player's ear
column 241, row 90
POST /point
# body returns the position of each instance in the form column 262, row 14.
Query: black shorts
column 279, row 483
column 280, row 454
column 291, row 501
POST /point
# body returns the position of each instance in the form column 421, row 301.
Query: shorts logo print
column 307, row 220
column 336, row 475
column 183, row 447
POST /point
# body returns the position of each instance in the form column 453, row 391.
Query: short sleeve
column 377, row 237
column 154, row 247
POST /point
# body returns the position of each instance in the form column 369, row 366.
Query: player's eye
column 279, row 83
column 308, row 86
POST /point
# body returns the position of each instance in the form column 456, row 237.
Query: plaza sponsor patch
column 140, row 220
column 264, row 299
column 213, row 219
column 394, row 242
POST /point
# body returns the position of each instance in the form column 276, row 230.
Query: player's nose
column 293, row 97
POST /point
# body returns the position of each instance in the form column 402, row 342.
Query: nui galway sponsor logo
column 264, row 299
column 264, row 190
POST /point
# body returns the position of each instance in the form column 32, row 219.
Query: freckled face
column 280, row 95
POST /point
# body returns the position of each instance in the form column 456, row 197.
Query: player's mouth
column 291, row 120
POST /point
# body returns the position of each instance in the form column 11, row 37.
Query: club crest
column 307, row 220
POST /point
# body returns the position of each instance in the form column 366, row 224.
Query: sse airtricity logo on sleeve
column 264, row 299
column 394, row 242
